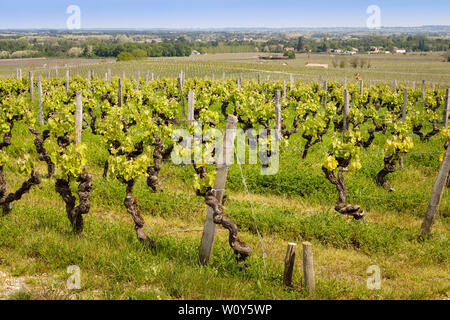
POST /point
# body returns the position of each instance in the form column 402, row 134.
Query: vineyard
column 88, row 178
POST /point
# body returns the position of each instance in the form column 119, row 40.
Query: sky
column 46, row 14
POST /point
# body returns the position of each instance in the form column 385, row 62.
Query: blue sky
column 219, row 14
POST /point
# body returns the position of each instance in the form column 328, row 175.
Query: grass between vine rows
column 37, row 244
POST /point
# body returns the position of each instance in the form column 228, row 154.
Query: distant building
column 400, row 51
column 195, row 52
column 317, row 65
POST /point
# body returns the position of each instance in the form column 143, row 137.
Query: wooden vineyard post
column 414, row 86
column 48, row 74
column 361, row 87
column 278, row 115
column 180, row 88
column 325, row 88
column 153, row 77
column 239, row 83
column 268, row 78
column 259, row 79
column 308, row 268
column 190, row 115
column 289, row 261
column 89, row 77
column 120, row 92
column 31, row 84
column 123, row 75
column 109, row 76
column 320, row 81
column 41, row 110
column 67, row 80
column 394, row 86
column 284, row 89
column 78, row 117
column 370, row 84
column 405, row 102
column 446, row 108
column 56, row 72
column 345, row 83
column 147, row 75
column 209, row 229
column 436, row 195
column 291, row 79
column 346, row 112
column 223, row 78
column 212, row 77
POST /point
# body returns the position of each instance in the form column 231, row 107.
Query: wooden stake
column 223, row 78
column 31, row 84
column 291, row 78
column 289, row 261
column 423, row 91
column 346, row 111
column 78, row 117
column 284, row 89
column 41, row 110
column 278, row 115
column 446, row 108
column 180, row 89
column 67, row 80
column 308, row 268
column 190, row 117
column 405, row 102
column 361, row 87
column 120, row 93
column 436, row 195
column 209, row 229
column 109, row 76
column 147, row 76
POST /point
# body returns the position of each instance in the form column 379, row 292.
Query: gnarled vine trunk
column 341, row 206
column 6, row 200
column 241, row 249
column 153, row 171
column 75, row 213
column 390, row 166
column 131, row 203
column 42, row 152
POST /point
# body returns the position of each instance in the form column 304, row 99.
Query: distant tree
column 300, row 44
column 290, row 54
column 139, row 53
column 323, row 47
column 125, row 56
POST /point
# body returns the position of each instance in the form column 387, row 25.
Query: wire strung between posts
column 253, row 212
